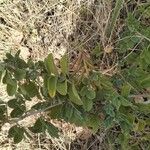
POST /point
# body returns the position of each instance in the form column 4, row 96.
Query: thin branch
column 32, row 113
column 139, row 95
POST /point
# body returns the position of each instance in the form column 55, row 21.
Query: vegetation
column 79, row 92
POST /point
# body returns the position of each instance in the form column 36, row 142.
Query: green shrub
column 83, row 94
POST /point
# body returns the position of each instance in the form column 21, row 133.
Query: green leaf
column 108, row 122
column 18, row 111
column 97, row 51
column 62, row 87
column 90, row 93
column 19, row 74
column 73, row 95
column 70, row 114
column 17, row 53
column 9, row 56
column 64, row 64
column 93, row 121
column 109, row 109
column 21, row 64
column 116, row 102
column 30, row 63
column 39, row 126
column 7, row 79
column 51, row 84
column 87, row 104
column 94, row 76
column 52, row 130
column 146, row 55
column 125, row 102
column 125, row 91
column 17, row 133
column 113, row 19
column 13, row 103
column 120, row 117
column 83, row 91
column 125, row 126
column 75, row 116
column 146, row 82
column 67, row 112
column 141, row 125
column 113, row 96
column 127, row 114
column 85, row 81
column 127, row 42
column 11, row 88
column 104, row 82
column 30, row 89
column 123, row 140
column 133, row 23
column 56, row 112
column 144, row 108
column 50, row 65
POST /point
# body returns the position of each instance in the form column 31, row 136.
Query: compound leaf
column 74, row 96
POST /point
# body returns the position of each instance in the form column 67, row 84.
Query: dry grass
column 38, row 27
column 48, row 25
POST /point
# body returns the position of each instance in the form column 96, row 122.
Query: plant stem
column 32, row 113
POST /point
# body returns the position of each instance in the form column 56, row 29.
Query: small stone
column 108, row 49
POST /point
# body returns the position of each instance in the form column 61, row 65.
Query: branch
column 139, row 95
column 32, row 113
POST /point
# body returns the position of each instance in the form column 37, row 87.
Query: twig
column 140, row 95
column 143, row 36
column 32, row 113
